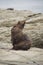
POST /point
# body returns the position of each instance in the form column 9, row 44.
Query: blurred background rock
column 33, row 27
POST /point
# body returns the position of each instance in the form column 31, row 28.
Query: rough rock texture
column 33, row 28
column 34, row 56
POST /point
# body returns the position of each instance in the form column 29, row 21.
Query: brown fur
column 20, row 41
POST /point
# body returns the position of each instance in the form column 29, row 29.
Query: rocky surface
column 33, row 28
column 34, row 56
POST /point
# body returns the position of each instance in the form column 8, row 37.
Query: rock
column 10, row 8
column 33, row 28
column 34, row 56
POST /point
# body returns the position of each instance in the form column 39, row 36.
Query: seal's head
column 21, row 24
